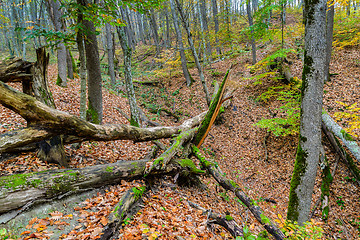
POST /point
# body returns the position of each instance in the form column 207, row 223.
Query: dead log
column 339, row 132
column 347, row 159
column 15, row 70
column 19, row 190
column 227, row 184
column 121, row 209
column 47, row 122
column 226, row 221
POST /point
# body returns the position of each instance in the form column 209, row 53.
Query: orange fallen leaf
column 25, row 232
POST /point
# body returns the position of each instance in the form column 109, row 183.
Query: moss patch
column 191, row 165
column 299, row 170
column 346, row 136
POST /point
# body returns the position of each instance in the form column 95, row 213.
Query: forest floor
column 259, row 162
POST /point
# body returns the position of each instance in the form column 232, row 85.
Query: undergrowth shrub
column 346, row 30
column 287, row 119
column 351, row 115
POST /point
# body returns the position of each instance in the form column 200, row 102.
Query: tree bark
column 329, row 38
column 335, row 128
column 49, row 122
column 216, row 22
column 307, row 156
column 186, row 73
column 192, row 47
column 20, row 189
column 95, row 106
column 135, row 116
column 110, row 53
column 253, row 45
column 51, row 150
column 227, row 184
column 55, row 15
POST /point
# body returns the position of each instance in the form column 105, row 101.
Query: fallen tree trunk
column 226, row 222
column 227, row 184
column 348, row 141
column 16, row 70
column 121, row 210
column 19, row 190
column 48, row 122
column 347, row 159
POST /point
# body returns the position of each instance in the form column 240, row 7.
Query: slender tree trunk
column 110, row 53
column 55, row 15
column 206, row 28
column 154, row 29
column 308, row 152
column 180, row 44
column 253, row 46
column 94, row 112
column 69, row 64
column 82, row 67
column 191, row 43
column 329, row 38
column 135, row 116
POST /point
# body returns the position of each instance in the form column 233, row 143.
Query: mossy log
column 164, row 159
column 226, row 221
column 19, row 190
column 227, row 184
column 339, row 132
column 46, row 122
column 121, row 210
column 347, row 159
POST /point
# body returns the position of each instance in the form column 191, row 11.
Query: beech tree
column 308, row 151
column 55, row 15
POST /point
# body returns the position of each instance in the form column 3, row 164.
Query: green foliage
column 287, row 122
column 354, row 222
column 293, row 231
column 351, row 115
column 249, row 236
column 346, row 31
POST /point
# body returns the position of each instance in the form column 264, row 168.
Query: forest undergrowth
column 259, row 161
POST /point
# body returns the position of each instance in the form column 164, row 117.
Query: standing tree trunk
column 69, row 64
column 49, row 150
column 110, row 53
column 94, row 112
column 196, row 58
column 308, row 152
column 154, row 29
column 253, row 46
column 205, row 27
column 135, row 116
column 187, row 75
column 82, row 67
column 55, row 15
column 329, row 38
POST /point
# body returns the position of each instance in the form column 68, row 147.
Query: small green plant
column 127, row 221
column 293, row 231
column 340, row 202
column 287, row 122
column 354, row 222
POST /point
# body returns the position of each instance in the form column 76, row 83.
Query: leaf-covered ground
column 260, row 163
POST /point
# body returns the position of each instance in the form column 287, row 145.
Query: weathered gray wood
column 48, row 121
column 348, row 141
column 20, row 189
